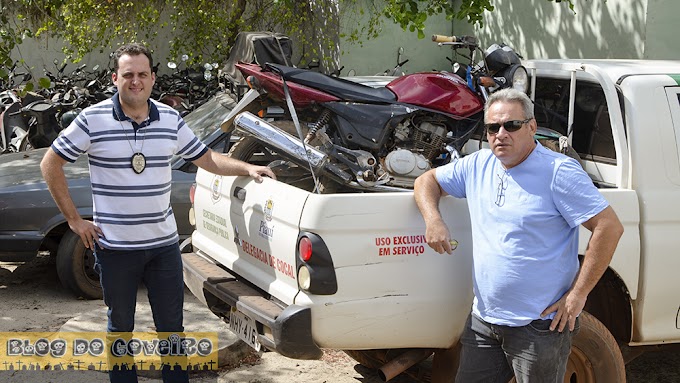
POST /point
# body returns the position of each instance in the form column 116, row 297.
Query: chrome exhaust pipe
column 285, row 143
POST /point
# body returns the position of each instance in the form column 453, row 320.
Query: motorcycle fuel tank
column 442, row 91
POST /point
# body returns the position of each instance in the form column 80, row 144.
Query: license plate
column 244, row 327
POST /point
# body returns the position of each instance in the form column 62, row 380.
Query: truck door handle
column 240, row 193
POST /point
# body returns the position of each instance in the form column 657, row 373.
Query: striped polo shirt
column 133, row 210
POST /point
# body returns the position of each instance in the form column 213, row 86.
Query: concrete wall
column 628, row 29
column 644, row 29
column 662, row 40
column 535, row 28
column 371, row 57
column 377, row 55
column 40, row 54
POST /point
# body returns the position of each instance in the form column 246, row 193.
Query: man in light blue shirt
column 526, row 204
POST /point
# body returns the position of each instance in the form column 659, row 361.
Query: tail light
column 192, row 193
column 192, row 214
column 314, row 265
column 305, row 249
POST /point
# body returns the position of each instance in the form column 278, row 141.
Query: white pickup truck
column 296, row 272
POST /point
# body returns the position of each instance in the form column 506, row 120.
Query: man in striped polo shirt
column 130, row 140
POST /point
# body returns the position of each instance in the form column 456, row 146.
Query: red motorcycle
column 333, row 134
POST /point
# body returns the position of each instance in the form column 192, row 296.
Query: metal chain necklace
column 137, row 160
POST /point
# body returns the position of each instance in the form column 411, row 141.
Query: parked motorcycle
column 42, row 127
column 34, row 119
column 189, row 88
column 352, row 136
column 10, row 135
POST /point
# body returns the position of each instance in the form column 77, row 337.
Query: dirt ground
column 33, row 300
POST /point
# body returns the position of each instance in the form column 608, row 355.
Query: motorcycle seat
column 338, row 87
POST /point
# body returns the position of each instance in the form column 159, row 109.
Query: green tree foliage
column 205, row 30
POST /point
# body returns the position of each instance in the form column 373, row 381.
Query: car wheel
column 75, row 267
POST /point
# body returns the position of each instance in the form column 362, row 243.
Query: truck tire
column 75, row 267
column 595, row 356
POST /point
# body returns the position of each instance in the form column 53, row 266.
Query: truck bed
column 393, row 291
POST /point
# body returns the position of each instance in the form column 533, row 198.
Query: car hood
column 23, row 168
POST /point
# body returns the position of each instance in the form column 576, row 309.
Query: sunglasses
column 510, row 126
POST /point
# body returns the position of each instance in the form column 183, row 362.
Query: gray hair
column 511, row 95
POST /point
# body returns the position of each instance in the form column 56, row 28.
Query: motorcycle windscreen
column 251, row 228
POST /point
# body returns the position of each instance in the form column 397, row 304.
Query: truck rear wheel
column 595, row 356
column 75, row 267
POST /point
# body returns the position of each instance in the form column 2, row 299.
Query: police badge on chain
column 138, row 162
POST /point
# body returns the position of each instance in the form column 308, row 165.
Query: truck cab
column 626, row 129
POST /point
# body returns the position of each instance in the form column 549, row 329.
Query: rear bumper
column 290, row 328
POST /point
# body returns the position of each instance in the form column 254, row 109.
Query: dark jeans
column 160, row 270
column 533, row 353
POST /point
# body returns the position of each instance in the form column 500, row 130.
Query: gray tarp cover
column 260, row 48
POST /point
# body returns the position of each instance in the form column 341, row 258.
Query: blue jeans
column 532, row 353
column 160, row 269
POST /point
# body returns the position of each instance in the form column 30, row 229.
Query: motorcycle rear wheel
column 257, row 152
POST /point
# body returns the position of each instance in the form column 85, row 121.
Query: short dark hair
column 132, row 49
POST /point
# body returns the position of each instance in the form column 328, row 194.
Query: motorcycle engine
column 418, row 145
column 404, row 166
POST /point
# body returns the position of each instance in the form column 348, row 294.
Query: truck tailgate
column 240, row 228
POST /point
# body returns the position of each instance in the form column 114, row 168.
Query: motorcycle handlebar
column 444, row 39
column 454, row 39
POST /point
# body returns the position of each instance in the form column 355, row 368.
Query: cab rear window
column 592, row 133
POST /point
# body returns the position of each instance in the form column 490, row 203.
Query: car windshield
column 206, row 119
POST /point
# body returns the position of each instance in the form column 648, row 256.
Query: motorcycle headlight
column 516, row 76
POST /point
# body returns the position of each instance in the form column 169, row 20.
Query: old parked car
column 30, row 221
